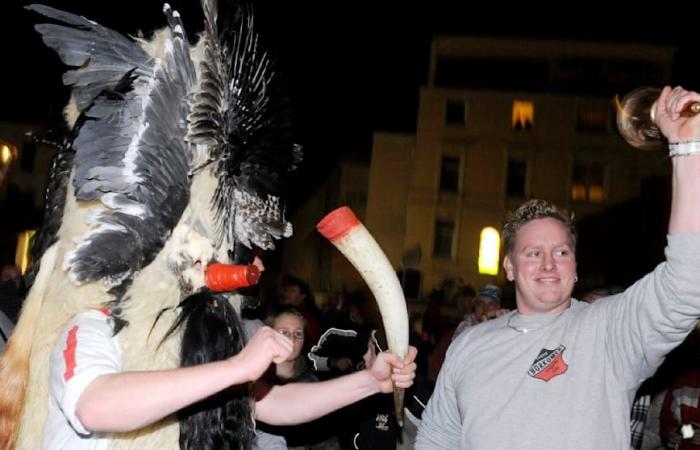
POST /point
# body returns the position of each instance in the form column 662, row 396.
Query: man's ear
column 508, row 267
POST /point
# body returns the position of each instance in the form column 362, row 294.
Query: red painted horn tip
column 337, row 223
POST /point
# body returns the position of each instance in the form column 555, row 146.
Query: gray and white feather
column 130, row 151
column 241, row 114
column 150, row 121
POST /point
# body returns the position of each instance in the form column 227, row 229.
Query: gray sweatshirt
column 568, row 382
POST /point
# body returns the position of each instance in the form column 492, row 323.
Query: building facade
column 499, row 122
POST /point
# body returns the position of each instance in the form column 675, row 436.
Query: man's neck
column 527, row 311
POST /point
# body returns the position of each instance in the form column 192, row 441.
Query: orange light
column 596, row 193
column 578, row 192
column 523, row 114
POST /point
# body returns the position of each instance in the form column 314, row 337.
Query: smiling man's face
column 543, row 265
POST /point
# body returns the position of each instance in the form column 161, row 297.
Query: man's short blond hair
column 536, row 209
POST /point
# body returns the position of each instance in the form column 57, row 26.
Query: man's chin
column 556, row 303
column 552, row 302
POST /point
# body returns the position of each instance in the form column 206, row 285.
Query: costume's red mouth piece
column 228, row 277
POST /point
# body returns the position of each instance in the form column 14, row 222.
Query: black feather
column 54, row 205
column 109, row 53
column 241, row 110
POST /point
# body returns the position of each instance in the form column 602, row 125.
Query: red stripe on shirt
column 104, row 310
column 69, row 353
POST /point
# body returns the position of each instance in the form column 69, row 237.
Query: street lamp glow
column 489, row 251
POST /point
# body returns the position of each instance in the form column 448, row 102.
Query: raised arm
column 656, row 313
column 683, row 133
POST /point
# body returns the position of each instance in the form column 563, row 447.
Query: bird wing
column 130, row 151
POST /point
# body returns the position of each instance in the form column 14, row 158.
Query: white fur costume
column 166, row 172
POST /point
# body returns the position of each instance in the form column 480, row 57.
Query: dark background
column 351, row 68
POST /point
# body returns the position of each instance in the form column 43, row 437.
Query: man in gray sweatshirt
column 558, row 373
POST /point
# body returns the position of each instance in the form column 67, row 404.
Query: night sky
column 350, row 67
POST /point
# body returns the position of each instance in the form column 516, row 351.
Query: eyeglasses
column 297, row 335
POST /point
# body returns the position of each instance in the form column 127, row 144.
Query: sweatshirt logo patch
column 549, row 364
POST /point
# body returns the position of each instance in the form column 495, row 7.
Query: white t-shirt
column 86, row 349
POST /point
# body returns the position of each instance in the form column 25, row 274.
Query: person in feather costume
column 172, row 173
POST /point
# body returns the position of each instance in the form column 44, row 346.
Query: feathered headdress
column 176, row 160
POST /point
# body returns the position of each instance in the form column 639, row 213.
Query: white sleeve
column 85, row 350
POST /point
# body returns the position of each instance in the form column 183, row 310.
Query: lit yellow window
column 5, row 153
column 489, row 251
column 595, row 193
column 588, row 182
column 578, row 192
column 523, row 114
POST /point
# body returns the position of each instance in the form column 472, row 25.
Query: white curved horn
column 348, row 235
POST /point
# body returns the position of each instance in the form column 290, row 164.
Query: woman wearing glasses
column 290, row 322
column 319, row 434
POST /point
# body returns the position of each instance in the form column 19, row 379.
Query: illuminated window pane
column 588, row 182
column 523, row 114
column 595, row 194
column 489, row 251
column 578, row 193
column 5, row 154
column 8, row 153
